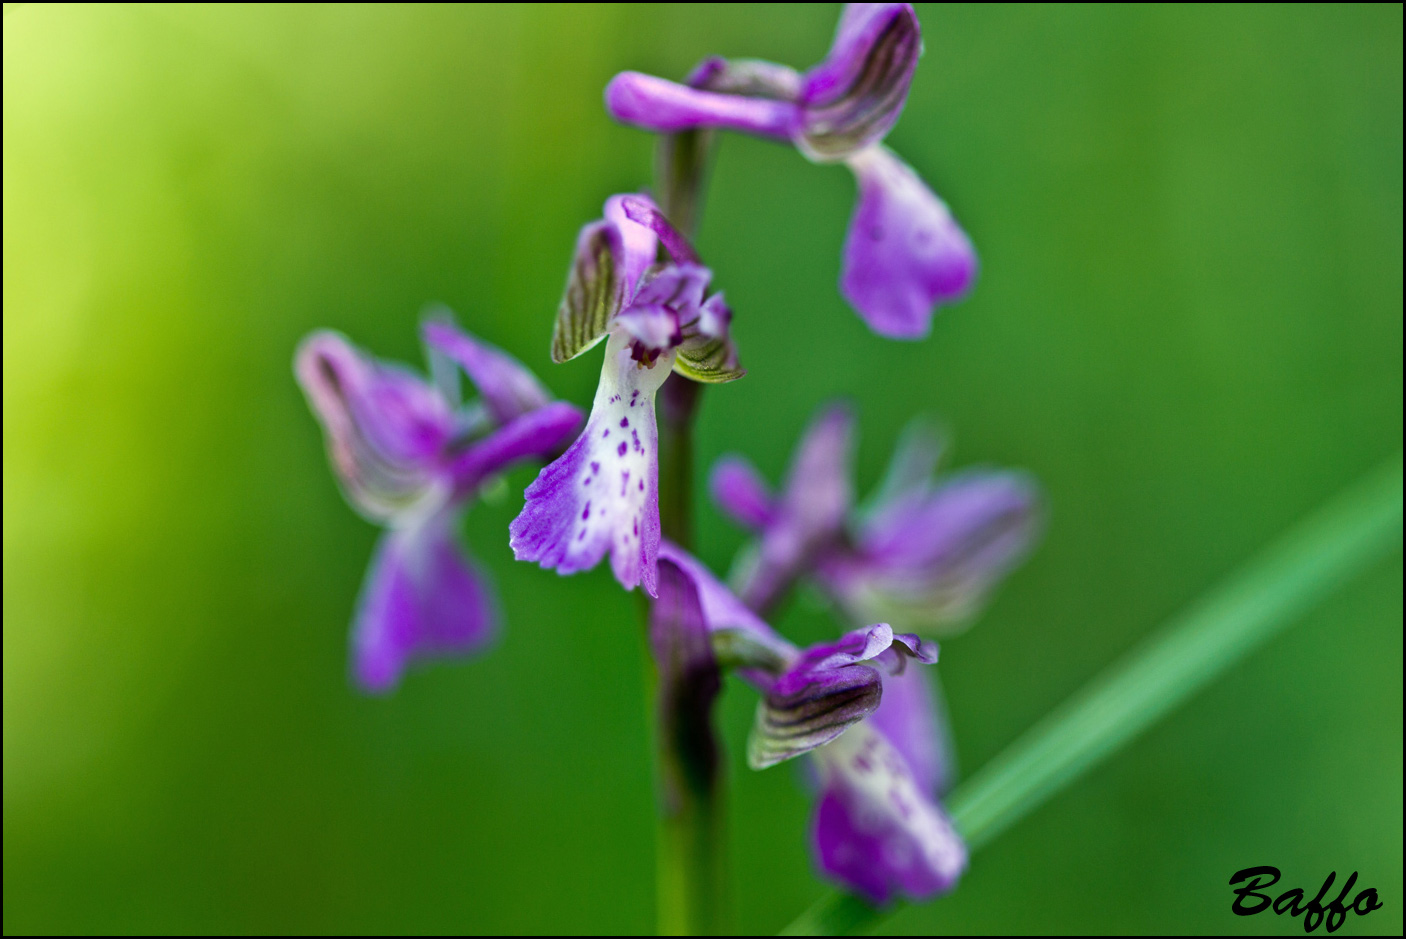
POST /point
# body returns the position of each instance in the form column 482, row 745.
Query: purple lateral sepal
column 602, row 495
column 877, row 830
column 384, row 428
column 904, row 253
column 826, row 689
column 853, row 98
column 422, row 599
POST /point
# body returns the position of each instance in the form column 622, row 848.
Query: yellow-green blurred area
column 1187, row 325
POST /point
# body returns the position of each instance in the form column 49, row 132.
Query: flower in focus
column 408, row 457
column 656, row 317
column 878, row 828
column 904, row 253
column 923, row 555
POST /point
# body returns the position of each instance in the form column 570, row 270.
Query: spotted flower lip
column 904, row 254
column 409, row 459
column 602, row 495
column 852, row 707
column 922, row 556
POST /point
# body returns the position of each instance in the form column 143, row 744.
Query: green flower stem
column 1354, row 530
column 691, row 876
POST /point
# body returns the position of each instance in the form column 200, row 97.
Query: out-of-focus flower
column 409, row 458
column 805, row 520
column 878, row 828
column 904, row 253
column 602, row 494
column 923, row 556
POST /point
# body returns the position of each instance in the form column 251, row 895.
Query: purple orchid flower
column 923, row 555
column 904, row 253
column 409, row 458
column 602, row 494
column 878, row 828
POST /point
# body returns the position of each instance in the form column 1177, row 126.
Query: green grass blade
column 1321, row 553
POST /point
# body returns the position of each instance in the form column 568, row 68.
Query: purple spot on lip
column 582, row 535
column 587, row 512
column 637, row 526
column 624, row 482
column 624, row 422
column 635, row 435
column 606, row 434
column 595, row 467
column 623, row 447
column 641, row 485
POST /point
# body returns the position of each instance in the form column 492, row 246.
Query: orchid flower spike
column 924, row 553
column 602, row 494
column 849, row 706
column 904, row 253
column 409, row 458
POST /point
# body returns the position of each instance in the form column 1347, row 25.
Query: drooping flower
column 409, row 458
column 923, row 555
column 656, row 317
column 878, row 828
column 904, row 253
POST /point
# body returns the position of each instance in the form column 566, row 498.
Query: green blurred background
column 1188, row 325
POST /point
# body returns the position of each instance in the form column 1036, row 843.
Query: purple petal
column 638, row 243
column 643, row 211
column 676, row 286
column 912, row 718
column 652, row 325
column 855, row 96
column 811, row 510
column 721, row 608
column 876, row 830
column 927, row 560
column 421, row 599
column 667, row 107
column 857, row 645
column 714, row 317
column 818, row 492
column 904, row 253
column 740, row 491
column 602, row 494
column 508, row 389
column 384, row 427
column 532, row 436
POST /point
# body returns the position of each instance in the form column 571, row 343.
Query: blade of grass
column 1355, row 529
